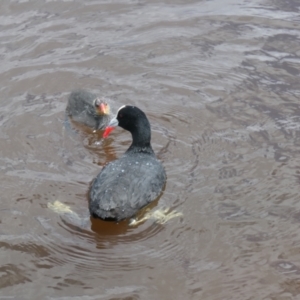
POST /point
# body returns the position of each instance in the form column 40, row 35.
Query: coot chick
column 131, row 182
column 84, row 107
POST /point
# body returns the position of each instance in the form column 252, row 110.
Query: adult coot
column 84, row 107
column 131, row 182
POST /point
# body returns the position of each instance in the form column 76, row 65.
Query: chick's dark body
column 82, row 110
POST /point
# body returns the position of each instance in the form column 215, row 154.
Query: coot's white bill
column 113, row 122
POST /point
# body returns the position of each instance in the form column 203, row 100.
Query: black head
column 131, row 118
column 134, row 120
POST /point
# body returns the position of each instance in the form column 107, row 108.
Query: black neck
column 141, row 137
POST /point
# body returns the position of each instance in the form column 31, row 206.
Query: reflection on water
column 219, row 81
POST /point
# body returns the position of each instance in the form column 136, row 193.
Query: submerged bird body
column 123, row 187
column 131, row 182
column 84, row 107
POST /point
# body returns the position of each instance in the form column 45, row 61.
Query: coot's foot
column 160, row 216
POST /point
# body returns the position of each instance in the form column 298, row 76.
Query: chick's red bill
column 107, row 131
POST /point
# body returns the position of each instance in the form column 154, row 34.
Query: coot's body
column 84, row 107
column 127, row 184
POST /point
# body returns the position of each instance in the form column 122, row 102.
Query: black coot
column 131, row 182
column 84, row 107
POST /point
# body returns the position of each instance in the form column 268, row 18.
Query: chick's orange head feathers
column 101, row 107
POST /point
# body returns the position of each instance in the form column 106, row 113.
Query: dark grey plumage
column 81, row 108
column 131, row 182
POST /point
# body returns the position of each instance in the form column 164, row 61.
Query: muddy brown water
column 219, row 81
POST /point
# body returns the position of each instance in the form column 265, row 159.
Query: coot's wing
column 126, row 185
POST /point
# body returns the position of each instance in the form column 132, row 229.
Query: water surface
column 219, row 81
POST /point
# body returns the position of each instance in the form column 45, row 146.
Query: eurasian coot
column 84, row 107
column 131, row 182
